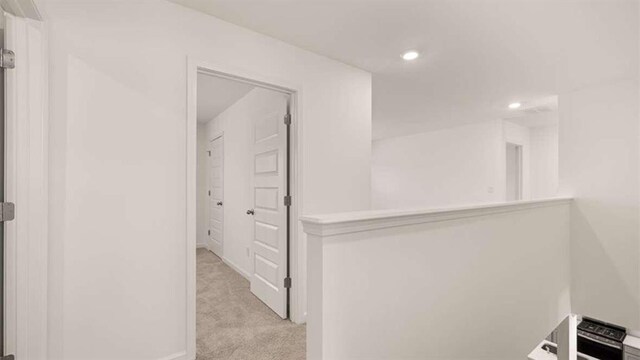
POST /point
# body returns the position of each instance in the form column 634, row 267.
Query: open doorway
column 243, row 219
column 531, row 150
column 514, row 172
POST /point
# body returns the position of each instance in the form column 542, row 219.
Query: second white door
column 216, row 194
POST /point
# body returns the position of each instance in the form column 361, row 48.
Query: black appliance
column 554, row 350
column 601, row 340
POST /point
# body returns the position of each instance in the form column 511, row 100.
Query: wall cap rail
column 357, row 221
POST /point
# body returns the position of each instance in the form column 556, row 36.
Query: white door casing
column 26, row 184
column 269, row 243
column 196, row 65
column 216, row 195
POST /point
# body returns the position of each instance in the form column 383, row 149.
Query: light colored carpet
column 231, row 323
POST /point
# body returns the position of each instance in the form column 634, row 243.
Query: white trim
column 236, row 268
column 194, row 66
column 344, row 223
column 190, row 204
column 298, row 310
column 202, row 246
column 26, row 184
column 177, row 356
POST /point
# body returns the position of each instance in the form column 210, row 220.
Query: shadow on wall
column 387, row 289
column 601, row 291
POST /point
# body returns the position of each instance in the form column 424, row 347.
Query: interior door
column 269, row 245
column 216, row 195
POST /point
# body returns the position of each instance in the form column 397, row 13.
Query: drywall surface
column 381, row 290
column 598, row 144
column 236, row 125
column 460, row 165
column 202, row 199
column 543, row 161
column 599, row 163
column 117, row 235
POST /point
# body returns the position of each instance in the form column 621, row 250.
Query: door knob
column 219, row 203
column 250, row 212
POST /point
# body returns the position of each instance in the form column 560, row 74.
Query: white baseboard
column 235, row 267
column 201, row 246
column 177, row 356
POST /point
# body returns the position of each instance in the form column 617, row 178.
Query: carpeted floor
column 233, row 324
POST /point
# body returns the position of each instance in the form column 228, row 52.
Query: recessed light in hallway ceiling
column 479, row 54
column 410, row 55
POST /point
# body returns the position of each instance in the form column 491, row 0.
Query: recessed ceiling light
column 514, row 105
column 410, row 55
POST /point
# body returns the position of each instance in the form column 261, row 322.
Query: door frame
column 26, row 176
column 296, row 252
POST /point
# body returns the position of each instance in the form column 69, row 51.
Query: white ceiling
column 536, row 120
column 541, row 112
column 216, row 94
column 477, row 55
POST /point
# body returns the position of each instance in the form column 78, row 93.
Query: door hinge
column 7, row 61
column 287, row 200
column 287, row 119
column 287, row 283
column 209, row 232
column 209, row 192
column 7, row 213
column 209, row 152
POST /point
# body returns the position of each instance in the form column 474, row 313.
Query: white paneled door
column 269, row 245
column 215, row 192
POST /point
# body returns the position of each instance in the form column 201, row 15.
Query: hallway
column 233, row 324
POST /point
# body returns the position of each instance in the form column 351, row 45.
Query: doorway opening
column 244, row 191
column 514, row 172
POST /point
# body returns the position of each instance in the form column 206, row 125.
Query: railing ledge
column 357, row 221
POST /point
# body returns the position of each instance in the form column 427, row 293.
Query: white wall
column 202, row 198
column 236, row 123
column 460, row 165
column 118, row 191
column 599, row 167
column 484, row 283
column 543, row 162
column 599, row 162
